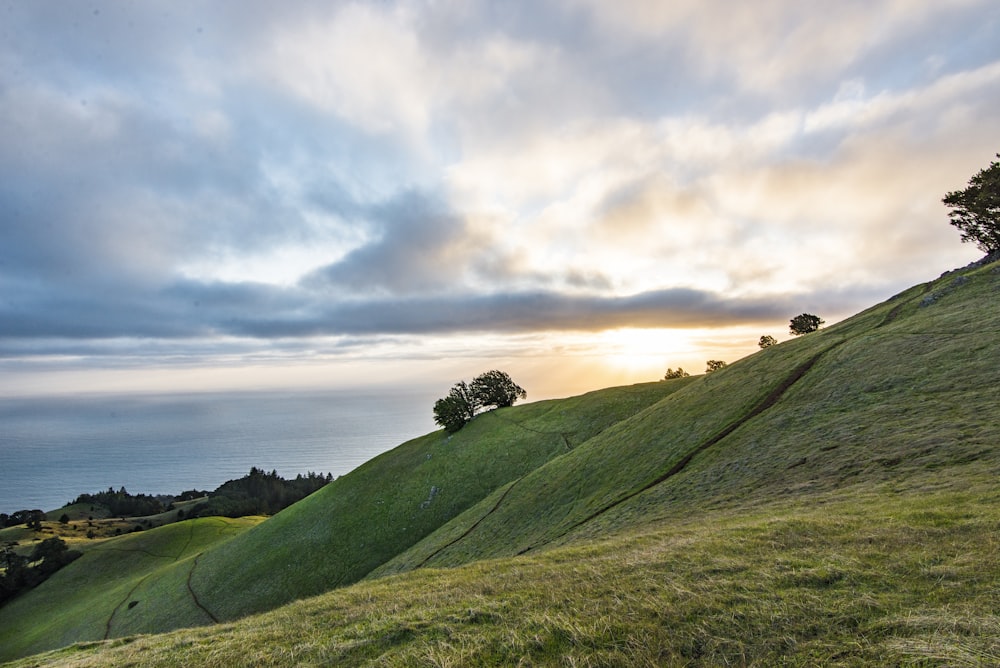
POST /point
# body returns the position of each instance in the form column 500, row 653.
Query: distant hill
column 829, row 500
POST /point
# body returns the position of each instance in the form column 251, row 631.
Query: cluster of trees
column 21, row 573
column 493, row 389
column 803, row 323
column 122, row 504
column 258, row 493
column 679, row 372
column 30, row 518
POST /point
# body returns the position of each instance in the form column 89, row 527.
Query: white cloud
column 362, row 63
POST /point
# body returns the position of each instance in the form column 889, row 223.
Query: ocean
column 55, row 448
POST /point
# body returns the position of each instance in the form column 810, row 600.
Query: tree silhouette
column 497, row 389
column 454, row 410
column 714, row 365
column 493, row 389
column 975, row 210
column 804, row 323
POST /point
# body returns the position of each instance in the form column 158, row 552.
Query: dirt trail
column 471, row 528
column 175, row 557
column 194, row 596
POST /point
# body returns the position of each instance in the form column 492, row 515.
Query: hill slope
column 332, row 538
column 828, row 500
column 905, row 394
column 106, row 592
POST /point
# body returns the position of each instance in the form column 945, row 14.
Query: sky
column 214, row 195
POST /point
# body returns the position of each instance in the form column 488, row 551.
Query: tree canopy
column 497, row 389
column 767, row 341
column 454, row 410
column 805, row 323
column 493, row 389
column 975, row 210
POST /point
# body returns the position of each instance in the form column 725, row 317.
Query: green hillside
column 904, row 396
column 108, row 590
column 828, row 501
column 332, row 538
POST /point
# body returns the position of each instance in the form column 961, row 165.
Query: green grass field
column 828, row 501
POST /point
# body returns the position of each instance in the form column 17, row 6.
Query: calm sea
column 52, row 449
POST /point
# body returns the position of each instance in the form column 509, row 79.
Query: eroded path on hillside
column 217, row 527
column 521, row 425
column 194, row 596
column 767, row 402
column 471, row 528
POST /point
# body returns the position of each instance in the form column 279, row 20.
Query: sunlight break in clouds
column 582, row 192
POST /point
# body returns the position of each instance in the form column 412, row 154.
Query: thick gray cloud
column 197, row 174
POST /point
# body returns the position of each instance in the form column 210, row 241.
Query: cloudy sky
column 582, row 192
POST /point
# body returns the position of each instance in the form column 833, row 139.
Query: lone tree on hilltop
column 454, row 410
column 497, row 389
column 975, row 211
column 805, row 323
column 767, row 341
column 671, row 374
column 493, row 389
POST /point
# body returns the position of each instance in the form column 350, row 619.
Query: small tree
column 767, row 341
column 976, row 209
column 805, row 323
column 64, row 519
column 35, row 519
column 714, row 365
column 497, row 389
column 53, row 553
column 454, row 410
column 671, row 374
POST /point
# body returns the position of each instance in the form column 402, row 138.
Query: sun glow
column 644, row 350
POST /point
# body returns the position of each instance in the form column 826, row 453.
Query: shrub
column 767, row 341
column 714, row 365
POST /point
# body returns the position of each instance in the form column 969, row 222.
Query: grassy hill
column 831, row 500
column 334, row 537
column 107, row 591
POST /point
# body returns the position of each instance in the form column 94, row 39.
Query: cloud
column 282, row 175
column 418, row 245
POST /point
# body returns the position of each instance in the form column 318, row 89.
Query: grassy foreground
column 909, row 580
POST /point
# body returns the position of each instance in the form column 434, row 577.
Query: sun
column 648, row 351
